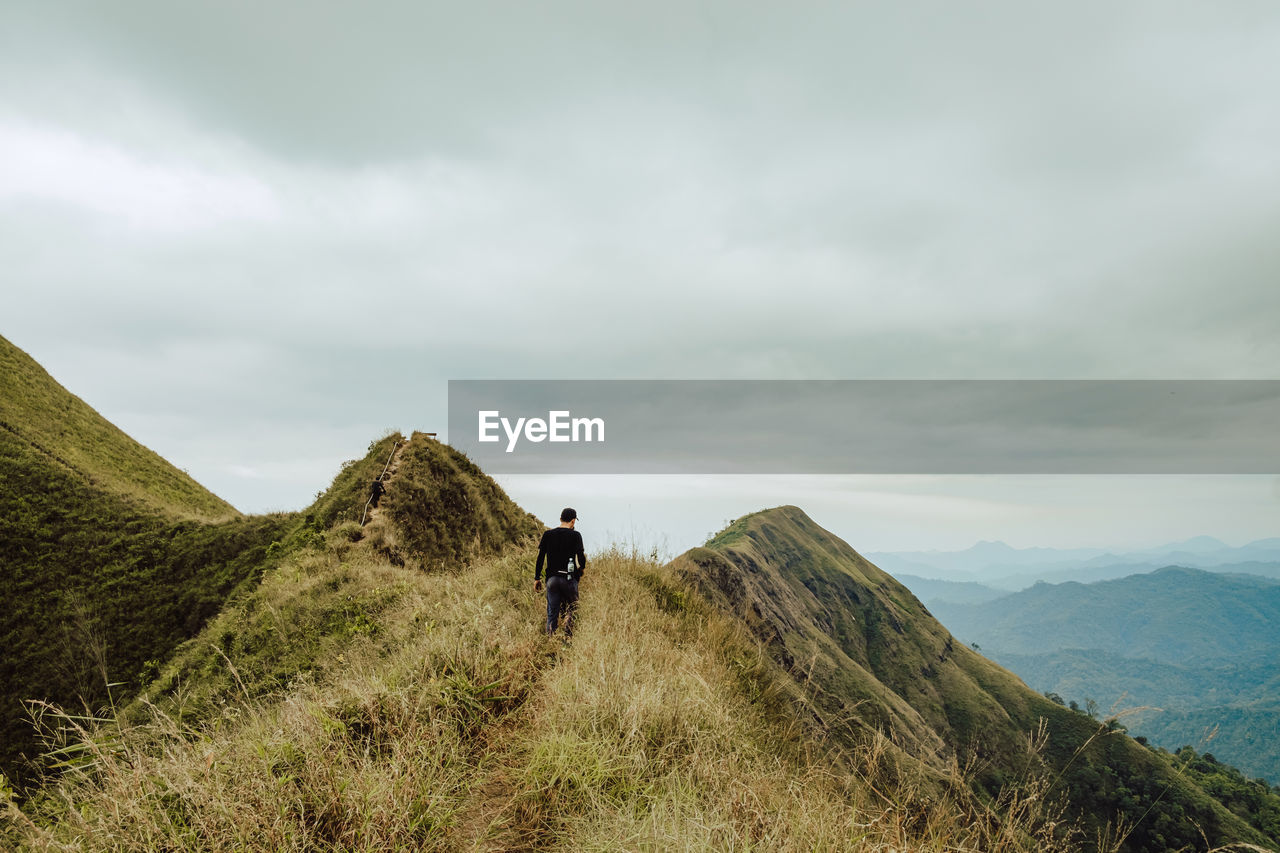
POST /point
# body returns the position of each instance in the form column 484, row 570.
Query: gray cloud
column 239, row 229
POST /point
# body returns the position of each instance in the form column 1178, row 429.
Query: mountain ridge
column 759, row 567
column 1046, row 616
column 329, row 706
column 315, row 684
column 998, row 564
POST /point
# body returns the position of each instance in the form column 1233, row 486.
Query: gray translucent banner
column 867, row 426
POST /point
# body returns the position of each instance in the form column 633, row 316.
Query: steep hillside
column 875, row 661
column 68, row 435
column 114, row 557
column 109, row 555
column 1246, row 736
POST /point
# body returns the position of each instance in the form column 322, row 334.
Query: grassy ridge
column 277, row 631
column 438, row 717
column 38, row 412
column 106, row 586
column 349, row 704
column 110, row 555
column 366, row 743
column 866, row 650
column 772, row 691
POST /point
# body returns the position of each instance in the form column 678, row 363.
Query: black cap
column 568, row 514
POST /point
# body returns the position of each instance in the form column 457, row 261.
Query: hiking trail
column 388, row 474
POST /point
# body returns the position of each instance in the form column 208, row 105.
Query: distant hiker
column 378, row 489
column 561, row 549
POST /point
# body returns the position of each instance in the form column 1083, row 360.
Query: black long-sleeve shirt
column 561, row 548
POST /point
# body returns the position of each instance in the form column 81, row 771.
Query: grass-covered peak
column 440, row 511
column 48, row 418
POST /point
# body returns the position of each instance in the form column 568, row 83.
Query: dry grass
column 458, row 726
column 643, row 738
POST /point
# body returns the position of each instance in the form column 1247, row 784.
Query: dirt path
column 483, row 824
column 498, row 815
column 388, row 476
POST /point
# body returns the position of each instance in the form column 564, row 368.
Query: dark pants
column 562, row 596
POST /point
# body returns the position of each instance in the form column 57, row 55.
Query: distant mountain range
column 999, row 565
column 1173, row 615
column 1196, row 648
column 952, row 592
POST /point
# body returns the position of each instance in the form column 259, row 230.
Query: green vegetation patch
column 99, row 589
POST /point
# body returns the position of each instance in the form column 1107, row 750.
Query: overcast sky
column 257, row 235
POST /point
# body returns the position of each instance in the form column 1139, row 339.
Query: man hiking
column 561, row 548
